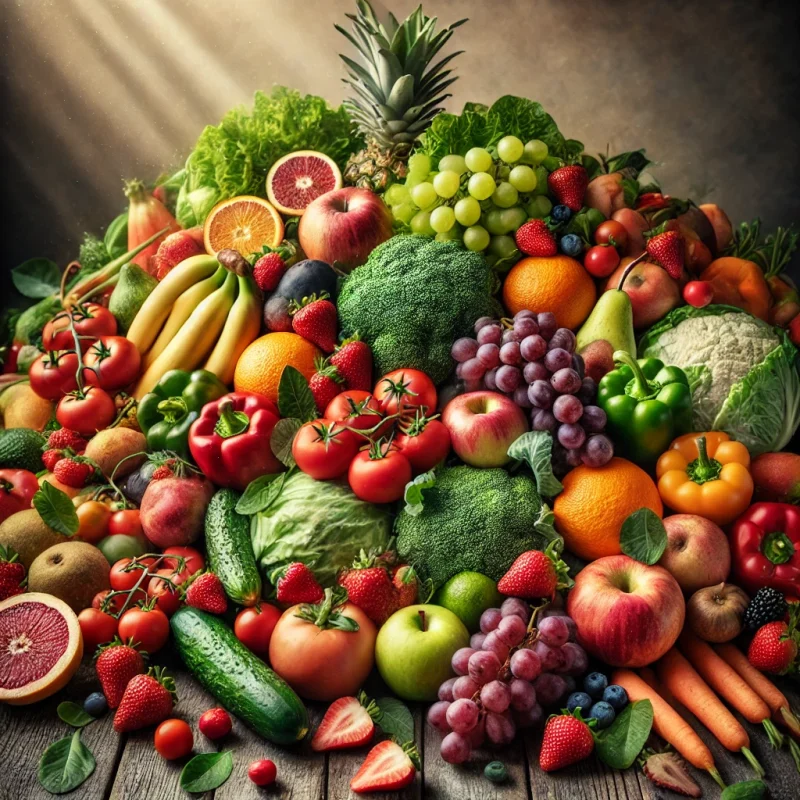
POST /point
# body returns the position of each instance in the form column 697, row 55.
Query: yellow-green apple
column 482, row 427
column 344, row 226
column 414, row 649
column 627, row 613
column 697, row 554
column 652, row 292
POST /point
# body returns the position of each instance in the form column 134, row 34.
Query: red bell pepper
column 17, row 488
column 230, row 439
column 765, row 548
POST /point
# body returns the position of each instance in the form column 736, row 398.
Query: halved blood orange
column 40, row 647
column 243, row 223
column 297, row 179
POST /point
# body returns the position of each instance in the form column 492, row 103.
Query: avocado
column 21, row 448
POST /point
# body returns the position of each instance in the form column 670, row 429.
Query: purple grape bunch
column 534, row 362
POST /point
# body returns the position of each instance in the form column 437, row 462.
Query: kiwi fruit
column 27, row 535
column 117, row 451
column 73, row 571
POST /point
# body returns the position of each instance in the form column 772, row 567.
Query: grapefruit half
column 297, row 179
column 244, row 223
column 40, row 647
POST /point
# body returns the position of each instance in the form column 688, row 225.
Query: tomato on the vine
column 54, row 374
column 123, row 581
column 126, row 522
column 173, row 739
column 379, row 475
column 425, row 443
column 353, row 408
column 324, row 449
column 86, row 412
column 93, row 519
column 165, row 589
column 403, row 388
column 193, row 560
column 613, row 233
column 97, row 628
column 111, row 363
column 90, row 320
column 601, row 260
column 148, row 627
column 114, row 605
column 253, row 627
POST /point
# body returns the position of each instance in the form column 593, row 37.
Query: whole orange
column 260, row 366
column 559, row 284
column 597, row 500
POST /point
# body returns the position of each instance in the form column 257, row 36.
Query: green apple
column 121, row 545
column 414, row 649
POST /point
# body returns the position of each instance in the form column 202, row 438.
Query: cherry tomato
column 193, row 560
column 425, row 445
column 613, row 233
column 173, row 739
column 262, row 772
column 168, row 598
column 601, row 260
column 125, row 523
column 215, row 723
column 150, row 629
column 352, row 408
column 698, row 293
column 53, row 374
column 379, row 480
column 122, row 581
column 114, row 604
column 86, row 412
column 405, row 387
column 92, row 521
column 253, row 627
column 97, row 628
column 324, row 449
column 90, row 320
column 112, row 363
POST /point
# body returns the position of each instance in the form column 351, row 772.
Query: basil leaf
column 535, row 448
column 260, row 493
column 415, row 491
column 395, row 719
column 37, row 278
column 281, row 440
column 73, row 714
column 620, row 744
column 643, row 536
column 56, row 509
column 207, row 771
column 294, row 396
column 66, row 764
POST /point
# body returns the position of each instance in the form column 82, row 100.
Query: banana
column 194, row 340
column 181, row 311
column 241, row 327
column 147, row 323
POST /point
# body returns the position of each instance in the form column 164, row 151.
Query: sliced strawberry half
column 387, row 766
column 347, row 723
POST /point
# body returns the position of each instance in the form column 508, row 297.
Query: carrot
column 648, row 675
column 739, row 282
column 668, row 723
column 680, row 677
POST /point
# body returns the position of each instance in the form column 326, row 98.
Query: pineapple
column 395, row 97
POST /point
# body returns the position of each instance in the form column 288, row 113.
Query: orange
column 597, row 500
column 260, row 366
column 243, row 223
column 559, row 284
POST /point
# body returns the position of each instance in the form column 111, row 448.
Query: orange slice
column 244, row 223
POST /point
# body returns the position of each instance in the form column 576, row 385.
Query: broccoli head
column 412, row 299
column 473, row 519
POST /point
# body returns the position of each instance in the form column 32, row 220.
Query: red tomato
column 405, row 387
column 352, row 408
column 698, row 293
column 253, row 627
column 601, row 260
column 193, row 560
column 613, row 233
column 168, row 599
column 97, row 628
column 92, row 521
column 122, row 581
column 379, row 480
column 86, row 412
column 114, row 605
column 17, row 488
column 262, row 772
column 150, row 629
column 53, row 374
column 215, row 723
column 125, row 523
column 90, row 319
column 425, row 445
column 173, row 739
column 112, row 363
column 324, row 449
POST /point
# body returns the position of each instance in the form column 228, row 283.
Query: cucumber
column 229, row 549
column 239, row 680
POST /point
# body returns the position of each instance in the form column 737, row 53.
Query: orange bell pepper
column 741, row 283
column 706, row 474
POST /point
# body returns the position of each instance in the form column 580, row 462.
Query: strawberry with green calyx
column 314, row 318
column 536, row 573
column 325, row 384
column 271, row 263
column 205, row 591
column 75, row 471
column 348, row 722
column 668, row 771
column 667, row 249
column 295, row 583
column 148, row 700
column 370, row 586
column 329, row 613
column 774, row 647
column 406, row 584
column 12, row 574
column 568, row 185
column 353, row 358
column 116, row 664
column 567, row 740
column 388, row 766
column 65, row 438
column 535, row 238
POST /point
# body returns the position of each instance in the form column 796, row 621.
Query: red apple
column 344, row 226
column 652, row 292
column 697, row 554
column 482, row 427
column 627, row 614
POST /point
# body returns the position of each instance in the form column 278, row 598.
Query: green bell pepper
column 647, row 405
column 166, row 414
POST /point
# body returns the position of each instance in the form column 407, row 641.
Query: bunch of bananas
column 201, row 315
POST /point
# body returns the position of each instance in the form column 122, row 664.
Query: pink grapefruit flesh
column 298, row 178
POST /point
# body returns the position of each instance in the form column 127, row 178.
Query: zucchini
column 229, row 549
column 239, row 680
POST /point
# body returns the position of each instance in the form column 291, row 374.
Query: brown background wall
column 96, row 90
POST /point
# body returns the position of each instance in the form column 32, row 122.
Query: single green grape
column 397, row 193
column 404, row 211
column 535, row 151
column 493, row 221
column 453, row 163
column 467, row 211
column 510, row 149
column 421, row 223
column 502, row 172
column 481, row 185
column 539, row 206
column 595, row 217
column 512, row 218
column 478, row 160
column 505, row 195
column 541, row 180
column 419, row 164
column 503, row 246
column 423, row 194
column 446, row 183
column 522, row 178
column 442, row 219
column 476, row 238
column 414, row 180
column 454, row 234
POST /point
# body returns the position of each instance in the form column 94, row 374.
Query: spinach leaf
column 535, row 448
column 643, row 536
column 619, row 745
column 294, row 397
column 66, row 764
column 207, row 771
column 73, row 714
column 281, row 440
column 37, row 278
column 56, row 509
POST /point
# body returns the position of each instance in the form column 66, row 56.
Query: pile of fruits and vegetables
column 341, row 398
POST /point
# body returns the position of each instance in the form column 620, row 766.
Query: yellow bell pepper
column 706, row 474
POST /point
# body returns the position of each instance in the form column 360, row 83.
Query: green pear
column 611, row 319
column 132, row 289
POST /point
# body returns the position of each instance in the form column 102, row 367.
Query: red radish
column 146, row 215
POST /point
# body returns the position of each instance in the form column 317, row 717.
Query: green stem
column 714, row 773
column 231, row 422
column 777, row 547
column 773, row 734
column 641, row 388
column 794, row 749
column 703, row 468
column 753, row 761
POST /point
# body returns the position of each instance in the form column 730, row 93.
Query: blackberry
column 768, row 605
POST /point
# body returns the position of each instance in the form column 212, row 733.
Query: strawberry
column 297, row 584
column 369, row 586
column 568, row 185
column 534, row 238
column 116, row 665
column 347, row 723
column 406, row 583
column 534, row 574
column 387, row 766
column 268, row 271
column 64, row 438
column 12, row 574
column 315, row 320
column 74, row 473
column 667, row 250
column 667, row 771
column 325, row 384
column 353, row 358
column 774, row 648
column 173, row 249
column 148, row 699
column 206, row 593
column 50, row 458
column 567, row 740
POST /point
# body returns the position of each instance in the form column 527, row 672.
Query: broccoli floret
column 412, row 299
column 472, row 519
column 93, row 254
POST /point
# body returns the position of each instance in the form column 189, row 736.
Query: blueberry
column 95, row 704
column 594, row 684
column 561, row 213
column 496, row 771
column 616, row 697
column 571, row 244
column 579, row 700
column 603, row 713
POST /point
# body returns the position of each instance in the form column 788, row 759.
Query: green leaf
column 395, row 719
column 260, row 493
column 535, row 448
column 745, row 790
column 415, row 491
column 294, row 397
column 37, row 278
column 620, row 744
column 73, row 714
column 207, row 771
column 643, row 536
column 66, row 764
column 56, row 509
column 281, row 440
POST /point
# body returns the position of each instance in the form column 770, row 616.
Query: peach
column 723, row 230
column 605, row 193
